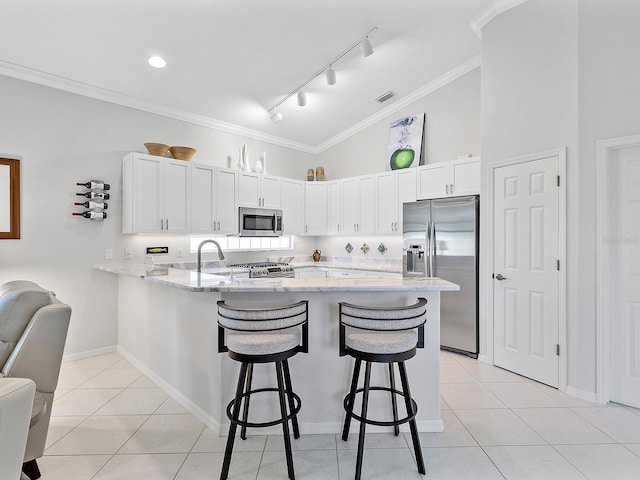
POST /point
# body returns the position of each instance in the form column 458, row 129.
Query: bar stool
column 381, row 335
column 263, row 335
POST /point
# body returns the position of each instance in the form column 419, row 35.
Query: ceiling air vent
column 385, row 96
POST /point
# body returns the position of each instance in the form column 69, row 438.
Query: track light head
column 276, row 116
column 331, row 76
column 365, row 47
column 302, row 98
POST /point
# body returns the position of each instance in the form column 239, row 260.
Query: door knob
column 500, row 277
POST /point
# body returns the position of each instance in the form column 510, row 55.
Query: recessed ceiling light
column 157, row 62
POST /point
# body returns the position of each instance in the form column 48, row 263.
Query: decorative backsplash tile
column 364, row 248
column 382, row 248
column 348, row 247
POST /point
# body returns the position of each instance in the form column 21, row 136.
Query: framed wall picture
column 405, row 142
column 9, row 198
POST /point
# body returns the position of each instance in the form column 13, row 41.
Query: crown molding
column 422, row 92
column 79, row 88
column 498, row 7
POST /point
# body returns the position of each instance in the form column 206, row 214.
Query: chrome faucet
column 220, row 254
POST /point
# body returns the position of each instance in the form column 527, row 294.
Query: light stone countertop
column 210, row 282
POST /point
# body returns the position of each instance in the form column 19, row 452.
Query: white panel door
column 177, row 200
column 203, row 218
column 387, row 204
column 293, row 206
column 526, row 277
column 625, row 278
column 225, row 199
column 334, row 208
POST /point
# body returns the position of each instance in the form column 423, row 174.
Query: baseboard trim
column 483, row 359
column 581, row 394
column 89, row 353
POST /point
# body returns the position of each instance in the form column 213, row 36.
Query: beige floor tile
column 488, row 373
column 388, row 464
column 165, row 434
column 561, row 425
column 59, row 427
column 170, row 406
column 305, row 442
column 455, row 373
column 498, row 427
column 459, row 463
column 210, row 442
column 98, row 435
column 521, row 395
column 112, row 378
column 76, row 467
column 617, row 422
column 83, row 402
column 371, row 440
column 540, row 462
column 134, row 401
column 156, row 467
column 633, row 447
column 198, row 466
column 454, row 435
column 602, row 462
column 307, row 464
column 99, row 361
column 72, row 377
column 142, row 382
column 469, row 395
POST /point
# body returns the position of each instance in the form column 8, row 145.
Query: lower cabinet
column 311, row 272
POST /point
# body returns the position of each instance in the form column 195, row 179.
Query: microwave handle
column 275, row 222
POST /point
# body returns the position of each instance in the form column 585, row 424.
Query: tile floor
column 111, row 422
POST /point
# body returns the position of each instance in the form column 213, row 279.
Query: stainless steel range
column 267, row 269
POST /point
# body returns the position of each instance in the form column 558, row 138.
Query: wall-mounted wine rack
column 96, row 195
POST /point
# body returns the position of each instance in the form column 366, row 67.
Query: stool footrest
column 296, row 409
column 380, row 423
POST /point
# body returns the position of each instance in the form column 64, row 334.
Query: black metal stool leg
column 363, row 423
column 285, row 424
column 232, row 428
column 394, row 405
column 351, row 401
column 287, row 383
column 412, row 424
column 245, row 410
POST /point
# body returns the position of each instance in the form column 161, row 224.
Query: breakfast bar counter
column 167, row 327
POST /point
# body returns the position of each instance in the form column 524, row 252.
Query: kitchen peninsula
column 167, row 328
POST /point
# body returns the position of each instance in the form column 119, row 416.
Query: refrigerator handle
column 427, row 250
column 432, row 247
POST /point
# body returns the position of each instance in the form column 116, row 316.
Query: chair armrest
column 38, row 354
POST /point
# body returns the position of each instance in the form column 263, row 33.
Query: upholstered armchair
column 33, row 331
column 16, row 398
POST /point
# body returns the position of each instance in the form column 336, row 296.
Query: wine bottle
column 92, row 195
column 95, row 184
column 92, row 204
column 91, row 215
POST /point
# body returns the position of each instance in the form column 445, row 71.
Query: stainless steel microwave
column 260, row 222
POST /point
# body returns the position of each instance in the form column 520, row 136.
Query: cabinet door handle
column 451, row 188
column 218, row 225
column 166, row 223
column 446, row 187
column 161, row 224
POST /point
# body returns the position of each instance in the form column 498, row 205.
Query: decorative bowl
column 182, row 153
column 159, row 149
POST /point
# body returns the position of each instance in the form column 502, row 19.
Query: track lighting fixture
column 330, row 74
column 276, row 116
column 365, row 47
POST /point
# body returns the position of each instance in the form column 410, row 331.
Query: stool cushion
column 263, row 343
column 383, row 342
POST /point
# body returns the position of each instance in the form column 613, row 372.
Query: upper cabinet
column 334, row 207
column 358, row 204
column 213, row 200
column 393, row 189
column 257, row 190
column 315, row 208
column 449, row 179
column 156, row 195
column 293, row 206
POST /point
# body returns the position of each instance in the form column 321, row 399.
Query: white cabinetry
column 156, row 195
column 334, row 207
column 213, row 200
column 393, row 189
column 447, row 179
column 311, row 272
column 345, row 272
column 315, row 208
column 358, row 204
column 256, row 190
column 293, row 206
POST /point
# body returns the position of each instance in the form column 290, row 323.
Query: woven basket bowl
column 159, row 149
column 182, row 153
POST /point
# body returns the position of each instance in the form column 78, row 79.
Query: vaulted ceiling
column 229, row 61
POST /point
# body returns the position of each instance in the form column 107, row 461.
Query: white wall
column 452, row 128
column 563, row 74
column 62, row 138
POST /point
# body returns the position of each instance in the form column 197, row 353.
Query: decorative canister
column 316, row 255
column 310, row 175
column 320, row 174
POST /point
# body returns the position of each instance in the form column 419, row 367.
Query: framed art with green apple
column 405, row 142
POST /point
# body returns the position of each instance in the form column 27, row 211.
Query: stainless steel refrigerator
column 440, row 239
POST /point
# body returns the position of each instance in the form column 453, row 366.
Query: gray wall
column 564, row 74
column 62, row 138
column 452, row 128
